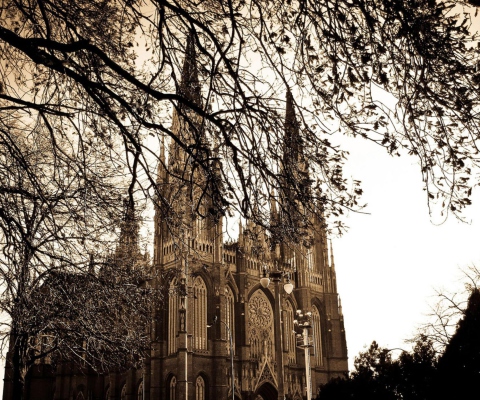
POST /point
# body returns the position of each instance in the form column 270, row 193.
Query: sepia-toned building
column 214, row 297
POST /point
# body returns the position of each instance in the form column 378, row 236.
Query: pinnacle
column 189, row 87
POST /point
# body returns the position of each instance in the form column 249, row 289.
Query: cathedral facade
column 222, row 332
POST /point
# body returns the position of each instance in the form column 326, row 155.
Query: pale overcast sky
column 390, row 261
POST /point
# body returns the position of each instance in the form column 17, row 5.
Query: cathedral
column 246, row 319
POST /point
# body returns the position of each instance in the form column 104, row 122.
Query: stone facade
column 206, row 279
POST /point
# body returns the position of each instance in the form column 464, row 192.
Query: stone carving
column 260, row 327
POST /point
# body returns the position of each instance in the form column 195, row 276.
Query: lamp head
column 288, row 287
column 264, row 280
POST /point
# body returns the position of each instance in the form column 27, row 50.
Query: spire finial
column 292, row 136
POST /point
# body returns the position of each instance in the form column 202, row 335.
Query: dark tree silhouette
column 64, row 262
column 449, row 307
column 417, row 370
column 378, row 376
column 459, row 366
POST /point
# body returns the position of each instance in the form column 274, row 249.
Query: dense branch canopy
column 110, row 71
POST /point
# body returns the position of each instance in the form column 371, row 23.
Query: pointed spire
column 161, row 162
column 332, row 261
column 189, row 86
column 292, row 143
column 273, row 209
column 128, row 246
column 240, row 231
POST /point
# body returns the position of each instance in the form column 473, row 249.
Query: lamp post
column 276, row 276
column 304, row 322
column 215, row 319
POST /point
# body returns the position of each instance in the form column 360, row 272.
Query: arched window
column 317, row 336
column 140, row 391
column 107, row 393
column 123, row 393
column 199, row 314
column 310, row 260
column 80, row 396
column 289, row 334
column 172, row 388
column 200, row 389
column 230, row 314
column 172, row 317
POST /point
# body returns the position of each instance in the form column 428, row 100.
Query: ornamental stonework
column 260, row 310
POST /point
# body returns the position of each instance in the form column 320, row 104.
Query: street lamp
column 304, row 322
column 215, row 319
column 276, row 276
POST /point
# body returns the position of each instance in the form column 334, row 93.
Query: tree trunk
column 19, row 369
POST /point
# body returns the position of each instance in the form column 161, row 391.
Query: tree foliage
column 109, row 72
column 448, row 308
column 459, row 366
column 378, row 376
column 424, row 373
column 59, row 220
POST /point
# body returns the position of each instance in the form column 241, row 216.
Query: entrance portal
column 266, row 392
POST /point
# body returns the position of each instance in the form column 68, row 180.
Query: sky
column 390, row 262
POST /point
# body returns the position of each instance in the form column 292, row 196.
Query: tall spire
column 332, row 261
column 128, row 249
column 240, row 232
column 273, row 209
column 292, row 143
column 161, row 162
column 187, row 124
column 189, row 86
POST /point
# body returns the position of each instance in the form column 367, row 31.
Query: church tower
column 209, row 280
column 222, row 333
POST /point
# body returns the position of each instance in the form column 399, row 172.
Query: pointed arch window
column 230, row 314
column 123, row 393
column 172, row 317
column 200, row 389
column 140, row 391
column 199, row 314
column 310, row 260
column 317, row 336
column 289, row 336
column 172, row 388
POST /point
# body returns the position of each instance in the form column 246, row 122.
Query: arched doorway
column 266, row 392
